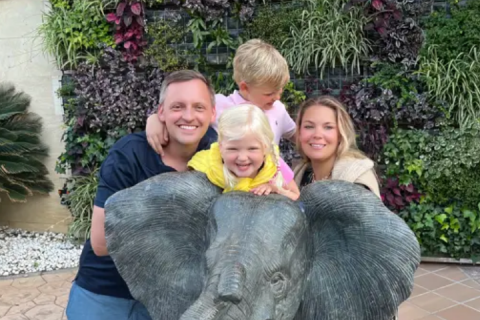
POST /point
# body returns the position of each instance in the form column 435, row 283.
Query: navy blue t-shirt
column 130, row 161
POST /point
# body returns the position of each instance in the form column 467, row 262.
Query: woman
column 326, row 141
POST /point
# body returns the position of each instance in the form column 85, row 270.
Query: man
column 186, row 109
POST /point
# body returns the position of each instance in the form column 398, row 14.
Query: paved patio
column 447, row 292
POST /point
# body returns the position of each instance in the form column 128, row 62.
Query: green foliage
column 292, row 98
column 80, row 198
column 327, row 36
column 272, row 23
column 163, row 51
column 74, row 32
column 96, row 118
column 445, row 165
column 454, row 34
column 445, row 231
column 22, row 172
column 457, row 82
column 396, row 78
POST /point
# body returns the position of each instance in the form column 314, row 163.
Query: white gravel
column 24, row 251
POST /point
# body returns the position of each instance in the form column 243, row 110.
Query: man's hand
column 97, row 236
column 157, row 134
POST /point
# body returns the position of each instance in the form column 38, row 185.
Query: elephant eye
column 279, row 283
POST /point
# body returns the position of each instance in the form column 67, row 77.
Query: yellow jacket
column 210, row 163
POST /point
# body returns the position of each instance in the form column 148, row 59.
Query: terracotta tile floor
column 447, row 292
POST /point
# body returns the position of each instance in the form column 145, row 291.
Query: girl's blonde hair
column 348, row 145
column 237, row 122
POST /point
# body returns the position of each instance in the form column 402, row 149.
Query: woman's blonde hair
column 241, row 120
column 348, row 145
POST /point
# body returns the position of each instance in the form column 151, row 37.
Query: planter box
column 448, row 260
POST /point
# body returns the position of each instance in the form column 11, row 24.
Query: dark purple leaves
column 129, row 28
column 136, row 8
column 121, row 8
column 127, row 20
column 377, row 4
column 396, row 197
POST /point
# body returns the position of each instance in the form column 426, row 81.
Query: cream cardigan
column 359, row 171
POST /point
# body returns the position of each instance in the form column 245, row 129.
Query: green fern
column 22, row 172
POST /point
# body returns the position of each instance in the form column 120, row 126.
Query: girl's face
column 319, row 136
column 243, row 157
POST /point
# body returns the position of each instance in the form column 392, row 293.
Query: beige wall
column 23, row 63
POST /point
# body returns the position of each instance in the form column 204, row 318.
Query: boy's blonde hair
column 258, row 63
column 348, row 145
column 237, row 122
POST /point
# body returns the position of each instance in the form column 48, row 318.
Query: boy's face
column 261, row 96
column 187, row 111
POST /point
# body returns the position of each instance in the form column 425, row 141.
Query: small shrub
column 129, row 28
column 22, row 172
column 272, row 23
column 74, row 33
column 456, row 83
column 80, row 197
column 327, row 36
column 111, row 101
column 454, row 32
column 451, row 231
column 442, row 164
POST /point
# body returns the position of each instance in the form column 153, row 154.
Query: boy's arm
column 157, row 134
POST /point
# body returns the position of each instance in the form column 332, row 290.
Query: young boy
column 260, row 73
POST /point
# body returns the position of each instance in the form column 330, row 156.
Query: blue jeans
column 86, row 305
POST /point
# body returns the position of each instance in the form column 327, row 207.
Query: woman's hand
column 157, row 134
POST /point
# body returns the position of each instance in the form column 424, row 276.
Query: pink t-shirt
column 280, row 121
column 286, row 171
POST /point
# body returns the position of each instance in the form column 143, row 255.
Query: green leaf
column 441, row 218
column 444, row 238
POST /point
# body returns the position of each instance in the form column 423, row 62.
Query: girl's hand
column 157, row 134
column 264, row 189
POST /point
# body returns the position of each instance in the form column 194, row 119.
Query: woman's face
column 319, row 136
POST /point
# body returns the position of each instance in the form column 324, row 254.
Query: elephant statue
column 188, row 251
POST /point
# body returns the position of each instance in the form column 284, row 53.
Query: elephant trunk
column 219, row 295
column 231, row 284
column 204, row 308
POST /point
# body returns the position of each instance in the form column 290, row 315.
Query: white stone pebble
column 25, row 251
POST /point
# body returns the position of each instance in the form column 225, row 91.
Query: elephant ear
column 157, row 235
column 363, row 256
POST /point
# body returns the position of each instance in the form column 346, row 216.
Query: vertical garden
column 407, row 70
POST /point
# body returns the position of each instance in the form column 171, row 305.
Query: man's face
column 187, row 111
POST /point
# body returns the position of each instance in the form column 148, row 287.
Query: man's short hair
column 259, row 63
column 183, row 76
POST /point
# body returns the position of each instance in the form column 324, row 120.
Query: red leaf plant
column 396, row 197
column 128, row 19
column 381, row 12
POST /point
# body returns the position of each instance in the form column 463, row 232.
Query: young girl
column 245, row 158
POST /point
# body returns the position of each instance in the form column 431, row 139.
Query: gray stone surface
column 186, row 251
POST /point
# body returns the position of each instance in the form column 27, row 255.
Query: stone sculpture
column 188, row 251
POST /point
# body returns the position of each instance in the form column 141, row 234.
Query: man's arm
column 116, row 173
column 97, row 232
